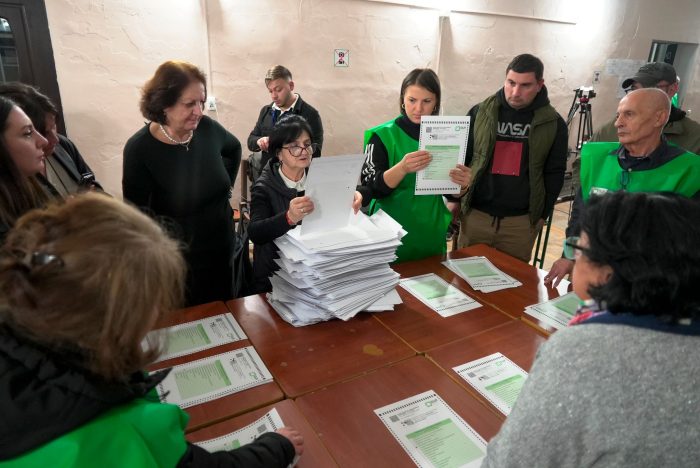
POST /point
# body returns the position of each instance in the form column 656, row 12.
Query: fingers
column 357, row 202
column 294, row 437
column 416, row 161
column 299, row 208
column 461, row 175
column 263, row 143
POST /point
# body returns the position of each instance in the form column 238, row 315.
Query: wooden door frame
column 34, row 45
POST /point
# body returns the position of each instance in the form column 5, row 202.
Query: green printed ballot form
column 431, row 433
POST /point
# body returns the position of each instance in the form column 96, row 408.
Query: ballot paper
column 481, row 274
column 446, row 140
column 437, row 294
column 213, row 377
column 269, row 422
column 496, row 378
column 195, row 336
column 431, row 433
column 331, row 186
column 336, row 273
column 556, row 312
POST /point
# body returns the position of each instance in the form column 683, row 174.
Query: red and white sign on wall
column 341, row 58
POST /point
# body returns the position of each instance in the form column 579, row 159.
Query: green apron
column 424, row 217
column 601, row 171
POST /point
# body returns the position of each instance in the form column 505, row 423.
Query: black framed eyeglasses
column 295, row 150
column 572, row 250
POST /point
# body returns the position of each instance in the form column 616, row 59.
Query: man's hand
column 263, row 143
column 559, row 270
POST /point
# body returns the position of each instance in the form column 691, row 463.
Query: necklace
column 185, row 142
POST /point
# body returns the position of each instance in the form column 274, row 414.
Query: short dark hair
column 277, row 72
column 35, row 104
column 527, row 63
column 425, row 78
column 286, row 130
column 166, row 86
column 650, row 241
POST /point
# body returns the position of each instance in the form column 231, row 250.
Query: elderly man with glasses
column 680, row 130
column 643, row 161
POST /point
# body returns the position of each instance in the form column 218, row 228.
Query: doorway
column 26, row 54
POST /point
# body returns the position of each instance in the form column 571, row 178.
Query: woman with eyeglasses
column 278, row 203
column 620, row 386
column 392, row 160
column 81, row 284
column 179, row 168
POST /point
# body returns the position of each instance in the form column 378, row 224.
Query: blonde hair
column 90, row 277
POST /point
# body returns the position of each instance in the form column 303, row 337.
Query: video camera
column 585, row 93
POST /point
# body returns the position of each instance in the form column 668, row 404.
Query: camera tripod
column 582, row 104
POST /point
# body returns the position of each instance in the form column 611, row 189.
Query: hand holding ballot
column 299, row 207
column 415, row 161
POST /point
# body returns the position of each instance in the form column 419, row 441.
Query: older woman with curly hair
column 180, row 168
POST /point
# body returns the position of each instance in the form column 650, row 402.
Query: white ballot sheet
column 446, row 140
column 437, row 294
column 496, row 378
column 195, row 336
column 206, row 379
column 431, row 433
column 331, row 186
column 557, row 312
column 269, row 422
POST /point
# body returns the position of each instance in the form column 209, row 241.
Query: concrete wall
column 105, row 50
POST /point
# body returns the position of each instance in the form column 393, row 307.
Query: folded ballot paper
column 337, row 273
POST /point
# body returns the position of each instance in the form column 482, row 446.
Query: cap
column 651, row 73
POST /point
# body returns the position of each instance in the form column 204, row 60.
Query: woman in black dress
column 179, row 168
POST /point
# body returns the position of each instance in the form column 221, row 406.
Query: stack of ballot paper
column 481, row 274
column 337, row 273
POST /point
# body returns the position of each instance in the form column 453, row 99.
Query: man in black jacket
column 278, row 81
column 517, row 153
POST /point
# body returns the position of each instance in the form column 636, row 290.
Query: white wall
column 105, row 50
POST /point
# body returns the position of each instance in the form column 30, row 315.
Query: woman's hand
column 299, row 207
column 461, row 175
column 357, row 202
column 416, row 161
column 294, row 437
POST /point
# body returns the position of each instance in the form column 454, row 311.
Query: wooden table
column 309, row 358
column 515, row 340
column 343, row 414
column 228, row 406
column 315, row 453
column 423, row 328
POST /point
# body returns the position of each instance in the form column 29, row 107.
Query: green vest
column 601, row 171
column 140, row 434
column 424, row 217
column 543, row 131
